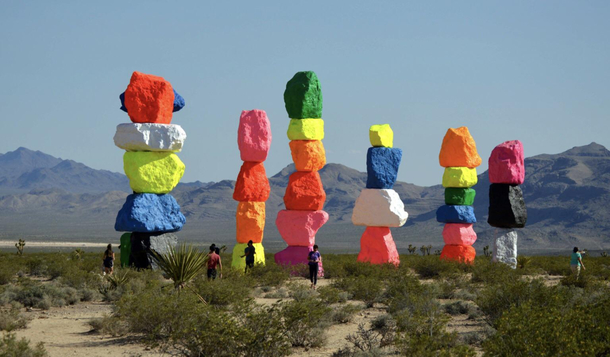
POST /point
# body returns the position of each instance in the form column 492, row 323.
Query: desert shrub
column 181, row 264
column 557, row 330
column 457, row 308
column 368, row 289
column 487, row 272
column 270, row 274
column 403, row 292
column 11, row 347
column 13, row 319
column 551, row 265
column 109, row 325
column 585, row 281
column 43, row 296
column 344, row 313
column 332, row 295
column 280, row 293
column 222, row 292
column 305, row 321
column 431, row 267
column 36, row 266
column 364, row 343
column 441, row 345
column 300, row 292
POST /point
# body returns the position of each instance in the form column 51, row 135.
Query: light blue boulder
column 455, row 214
column 179, row 102
column 382, row 167
column 149, row 212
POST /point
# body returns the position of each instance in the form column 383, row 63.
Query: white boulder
column 149, row 137
column 505, row 247
column 379, row 208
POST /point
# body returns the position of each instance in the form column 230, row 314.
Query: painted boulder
column 303, row 96
column 179, row 102
column 308, row 155
column 250, row 222
column 459, row 196
column 240, row 263
column 379, row 208
column 149, row 99
column 304, row 192
column 460, row 253
column 455, row 214
column 149, row 137
column 506, row 206
column 152, row 172
column 299, row 228
column 460, row 177
column 459, row 234
column 252, row 183
column 459, row 149
column 306, row 129
column 382, row 167
column 377, row 246
column 254, row 135
column 293, row 255
column 381, row 135
column 506, row 163
column 505, row 247
column 147, row 212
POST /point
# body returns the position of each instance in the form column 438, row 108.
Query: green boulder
column 303, row 96
column 459, row 196
column 125, row 247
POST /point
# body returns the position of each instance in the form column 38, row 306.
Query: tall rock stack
column 460, row 159
column 506, row 205
column 379, row 207
column 151, row 214
column 252, row 187
column 305, row 196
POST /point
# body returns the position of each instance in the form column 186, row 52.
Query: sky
column 536, row 71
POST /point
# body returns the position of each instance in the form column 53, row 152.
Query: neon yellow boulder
column 306, row 129
column 462, row 177
column 152, row 172
column 381, row 135
column 238, row 251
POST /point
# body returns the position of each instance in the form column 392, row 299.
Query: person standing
column 314, row 266
column 249, row 254
column 213, row 261
column 108, row 260
column 576, row 262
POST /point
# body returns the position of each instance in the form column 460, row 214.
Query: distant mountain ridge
column 567, row 196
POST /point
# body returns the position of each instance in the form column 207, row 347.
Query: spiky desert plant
column 181, row 264
column 20, row 246
column 523, row 261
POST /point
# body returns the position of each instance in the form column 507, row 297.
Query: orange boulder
column 252, row 183
column 250, row 222
column 459, row 149
column 304, row 192
column 308, row 155
column 460, row 253
column 377, row 246
column 149, row 99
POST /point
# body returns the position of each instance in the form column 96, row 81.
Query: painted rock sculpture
column 506, row 205
column 252, row 187
column 460, row 158
column 152, row 167
column 379, row 207
column 305, row 196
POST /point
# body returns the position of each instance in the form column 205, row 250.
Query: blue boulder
column 178, row 102
column 149, row 212
column 382, row 167
column 455, row 214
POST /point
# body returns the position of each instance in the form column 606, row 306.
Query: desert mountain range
column 47, row 198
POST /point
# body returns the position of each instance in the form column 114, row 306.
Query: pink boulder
column 506, row 163
column 254, row 135
column 299, row 228
column 377, row 246
column 459, row 234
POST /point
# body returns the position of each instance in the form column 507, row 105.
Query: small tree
column 20, row 246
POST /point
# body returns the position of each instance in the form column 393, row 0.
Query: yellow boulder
column 461, row 177
column 306, row 129
column 152, row 172
column 381, row 135
column 238, row 251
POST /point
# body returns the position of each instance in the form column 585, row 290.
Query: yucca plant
column 181, row 264
column 523, row 261
column 119, row 278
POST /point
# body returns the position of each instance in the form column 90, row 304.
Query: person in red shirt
column 213, row 261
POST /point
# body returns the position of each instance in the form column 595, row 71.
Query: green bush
column 457, row 308
column 368, row 289
column 332, row 295
column 305, row 321
column 431, row 267
column 38, row 295
column 12, row 319
column 344, row 313
column 109, row 325
column 11, row 347
column 487, row 272
column 223, row 292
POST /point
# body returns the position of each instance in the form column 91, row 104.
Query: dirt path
column 65, row 332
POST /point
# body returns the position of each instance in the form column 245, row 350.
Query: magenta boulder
column 299, row 228
column 506, row 163
column 254, row 135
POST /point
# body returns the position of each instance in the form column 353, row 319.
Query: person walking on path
column 314, row 266
column 249, row 254
column 108, row 260
column 213, row 261
column 576, row 262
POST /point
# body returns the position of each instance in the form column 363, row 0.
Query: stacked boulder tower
column 506, row 204
column 150, row 214
column 379, row 207
column 460, row 159
column 305, row 196
column 252, row 187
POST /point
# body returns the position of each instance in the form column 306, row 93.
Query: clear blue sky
column 537, row 71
